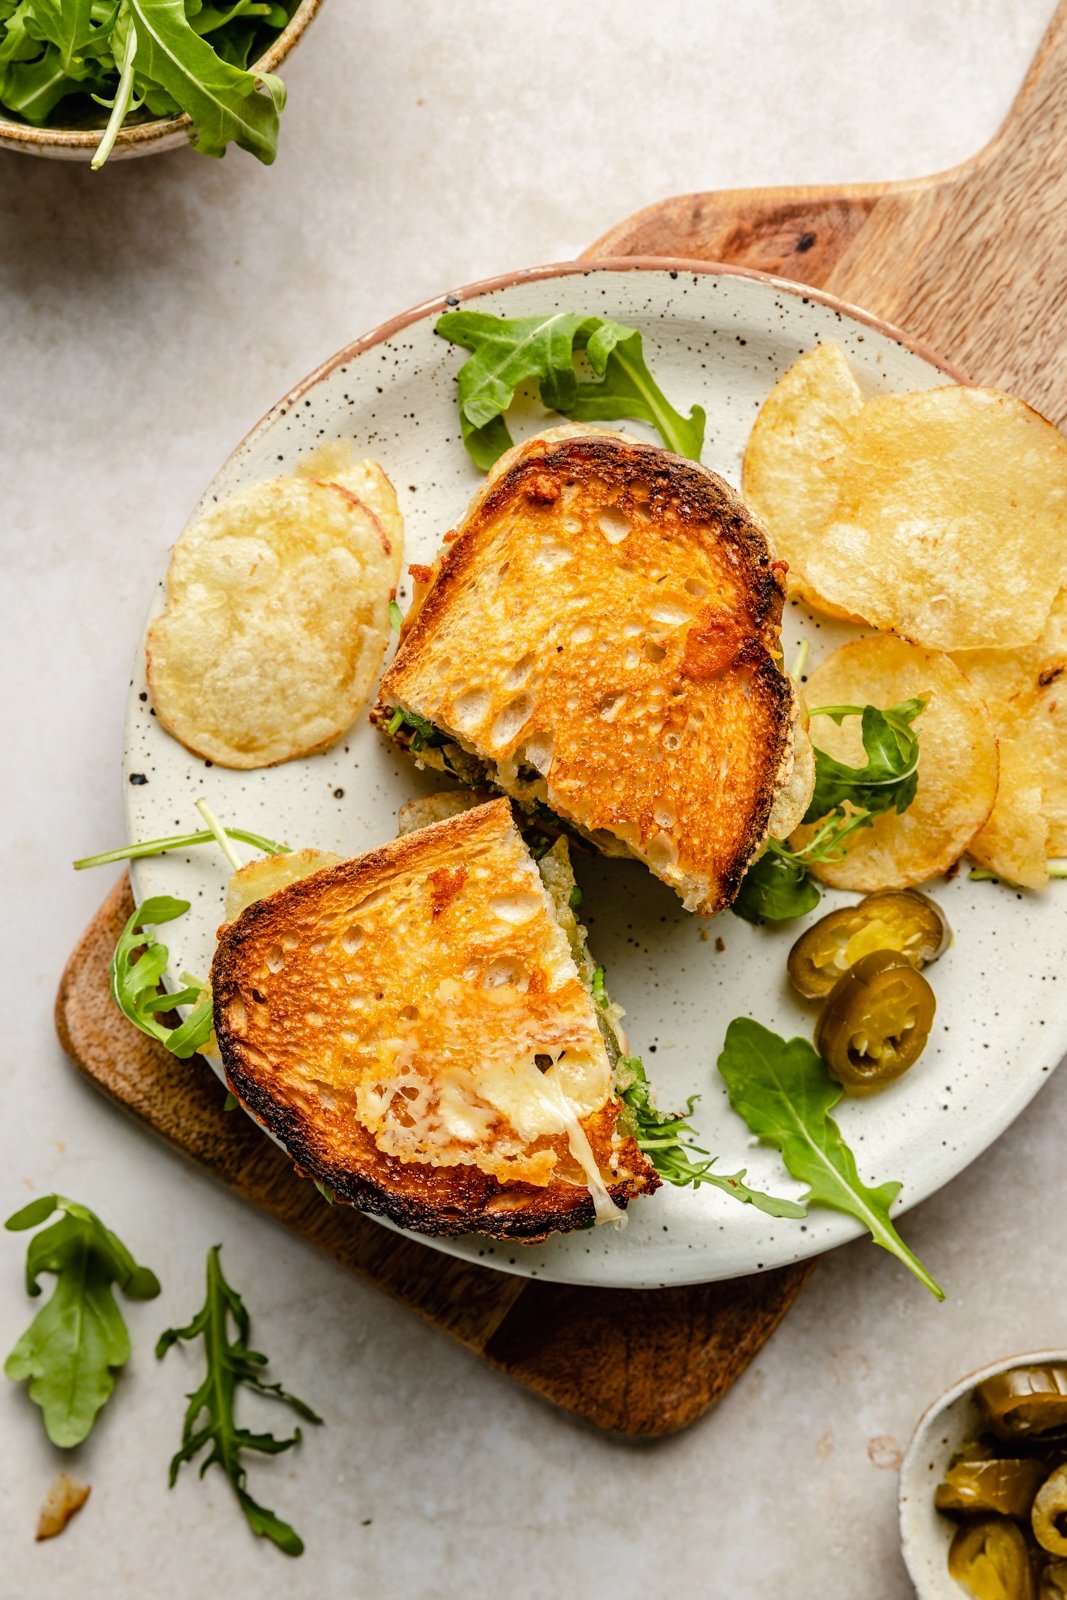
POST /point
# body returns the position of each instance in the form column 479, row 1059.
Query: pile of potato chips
column 939, row 517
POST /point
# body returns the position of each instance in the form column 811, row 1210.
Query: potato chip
column 277, row 613
column 792, row 461
column 957, row 761
column 1014, row 842
column 1026, row 692
column 940, row 515
column 426, row 809
column 258, row 879
column 951, row 519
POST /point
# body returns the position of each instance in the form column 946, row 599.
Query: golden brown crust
column 312, row 987
column 608, row 619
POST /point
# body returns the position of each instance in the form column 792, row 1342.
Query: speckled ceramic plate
column 721, row 338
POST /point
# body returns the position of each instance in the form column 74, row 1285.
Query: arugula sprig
column 136, row 970
column 509, row 351
column 78, row 1341
column 778, row 887
column 890, row 777
column 785, row 1095
column 667, row 1137
column 163, row 55
column 424, row 736
column 140, row 959
column 179, row 841
column 210, row 1417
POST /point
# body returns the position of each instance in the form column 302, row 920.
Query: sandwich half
column 599, row 640
column 417, row 1027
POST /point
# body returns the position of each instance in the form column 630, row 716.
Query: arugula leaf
column 785, row 1095
column 76, row 1343
column 507, row 352
column 424, row 736
column 627, row 389
column 33, row 89
column 223, row 101
column 135, row 979
column 210, row 1415
column 890, row 778
column 778, row 887
column 664, row 1137
column 68, row 24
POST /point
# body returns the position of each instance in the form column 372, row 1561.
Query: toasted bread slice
column 414, row 1027
column 601, row 638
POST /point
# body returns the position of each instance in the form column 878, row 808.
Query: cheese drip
column 604, row 1207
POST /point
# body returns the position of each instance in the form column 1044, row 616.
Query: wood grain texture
column 636, row 1363
column 970, row 261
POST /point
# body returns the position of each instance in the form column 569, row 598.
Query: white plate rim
column 452, row 298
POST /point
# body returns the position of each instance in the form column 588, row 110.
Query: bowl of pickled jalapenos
column 983, row 1487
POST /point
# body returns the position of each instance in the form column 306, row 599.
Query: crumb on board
column 720, row 943
column 64, row 1500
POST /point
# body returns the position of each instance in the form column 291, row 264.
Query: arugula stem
column 122, row 101
column 882, row 1232
column 1057, row 868
column 220, row 834
column 179, row 841
column 800, row 661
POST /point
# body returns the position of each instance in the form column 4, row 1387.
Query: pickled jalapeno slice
column 1053, row 1581
column 901, row 920
column 1005, row 1487
column 1025, row 1402
column 990, row 1559
column 1049, row 1516
column 876, row 1022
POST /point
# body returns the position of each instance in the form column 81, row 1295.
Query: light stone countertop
column 151, row 313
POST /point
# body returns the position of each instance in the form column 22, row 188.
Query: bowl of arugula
column 84, row 81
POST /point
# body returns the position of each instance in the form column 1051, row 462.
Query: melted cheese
column 445, row 1119
column 258, row 879
column 604, row 1207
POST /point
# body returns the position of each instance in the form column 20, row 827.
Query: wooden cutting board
column 970, row 262
column 639, row 1363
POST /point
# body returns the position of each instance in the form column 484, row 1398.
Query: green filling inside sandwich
column 438, row 750
column 663, row 1136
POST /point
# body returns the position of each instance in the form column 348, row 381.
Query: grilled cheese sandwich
column 417, row 1027
column 599, row 640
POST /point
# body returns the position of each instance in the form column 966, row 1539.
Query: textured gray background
column 151, row 313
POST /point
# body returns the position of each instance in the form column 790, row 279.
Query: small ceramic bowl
column 925, row 1534
column 144, row 138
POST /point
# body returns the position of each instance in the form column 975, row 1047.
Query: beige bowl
column 925, row 1534
column 144, row 138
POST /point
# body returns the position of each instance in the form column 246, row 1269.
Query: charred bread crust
column 446, row 1202
column 675, row 502
column 342, row 1153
